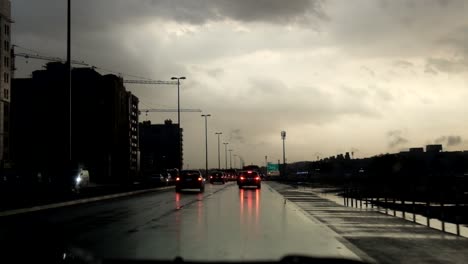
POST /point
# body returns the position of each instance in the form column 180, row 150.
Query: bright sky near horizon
column 362, row 76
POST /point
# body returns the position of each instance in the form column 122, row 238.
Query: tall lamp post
column 230, row 158
column 219, row 155
column 68, row 66
column 178, row 118
column 206, row 143
column 235, row 161
column 225, row 153
column 283, row 137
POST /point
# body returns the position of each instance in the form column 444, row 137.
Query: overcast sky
column 367, row 77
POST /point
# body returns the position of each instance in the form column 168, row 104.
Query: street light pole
column 225, row 153
column 206, row 143
column 230, row 158
column 68, row 66
column 219, row 155
column 283, row 137
column 178, row 118
column 235, row 161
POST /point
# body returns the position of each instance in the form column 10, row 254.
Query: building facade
column 160, row 147
column 133, row 114
column 104, row 120
column 5, row 80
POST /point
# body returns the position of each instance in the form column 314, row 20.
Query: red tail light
column 242, row 178
column 257, row 178
column 177, row 179
column 200, row 178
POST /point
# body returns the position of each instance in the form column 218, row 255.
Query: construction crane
column 57, row 59
column 150, row 82
column 46, row 58
column 146, row 111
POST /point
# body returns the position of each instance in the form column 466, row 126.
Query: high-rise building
column 159, row 146
column 104, row 123
column 133, row 133
column 5, row 77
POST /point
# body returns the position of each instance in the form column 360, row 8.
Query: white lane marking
column 75, row 202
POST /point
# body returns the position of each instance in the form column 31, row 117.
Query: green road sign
column 272, row 167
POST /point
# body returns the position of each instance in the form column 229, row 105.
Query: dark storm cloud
column 395, row 138
column 449, row 140
column 95, row 15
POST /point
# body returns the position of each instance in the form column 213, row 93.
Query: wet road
column 224, row 223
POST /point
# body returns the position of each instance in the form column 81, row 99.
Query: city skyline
column 368, row 77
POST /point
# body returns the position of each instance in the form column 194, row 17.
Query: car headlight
column 78, row 179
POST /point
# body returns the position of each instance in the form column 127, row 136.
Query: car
column 78, row 177
column 190, row 179
column 249, row 178
column 159, row 179
column 217, row 176
column 174, row 173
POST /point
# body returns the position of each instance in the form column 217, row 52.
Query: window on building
column 7, row 30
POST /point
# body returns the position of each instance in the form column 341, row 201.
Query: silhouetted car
column 190, row 179
column 174, row 173
column 73, row 178
column 249, row 178
column 160, row 178
column 218, row 176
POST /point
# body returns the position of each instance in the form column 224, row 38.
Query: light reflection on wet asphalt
column 224, row 223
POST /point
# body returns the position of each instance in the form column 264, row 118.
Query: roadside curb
column 80, row 201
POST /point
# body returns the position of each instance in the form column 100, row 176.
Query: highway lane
column 224, row 223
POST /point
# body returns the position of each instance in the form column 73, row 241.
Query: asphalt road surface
column 224, row 224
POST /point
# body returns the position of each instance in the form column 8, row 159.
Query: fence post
column 428, row 206
column 377, row 201
column 414, row 204
column 360, row 198
column 386, row 203
column 457, row 210
column 442, row 216
column 344, row 195
column 403, row 207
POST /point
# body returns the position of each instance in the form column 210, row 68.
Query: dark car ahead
column 218, row 176
column 190, row 179
column 249, row 178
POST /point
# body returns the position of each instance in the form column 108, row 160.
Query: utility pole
column 266, row 165
column 219, row 155
column 206, row 143
column 283, row 137
column 68, row 69
column 178, row 118
column 225, row 153
column 230, row 158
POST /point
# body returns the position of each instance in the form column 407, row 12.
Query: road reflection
column 177, row 201
column 249, row 208
column 199, row 208
column 178, row 223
